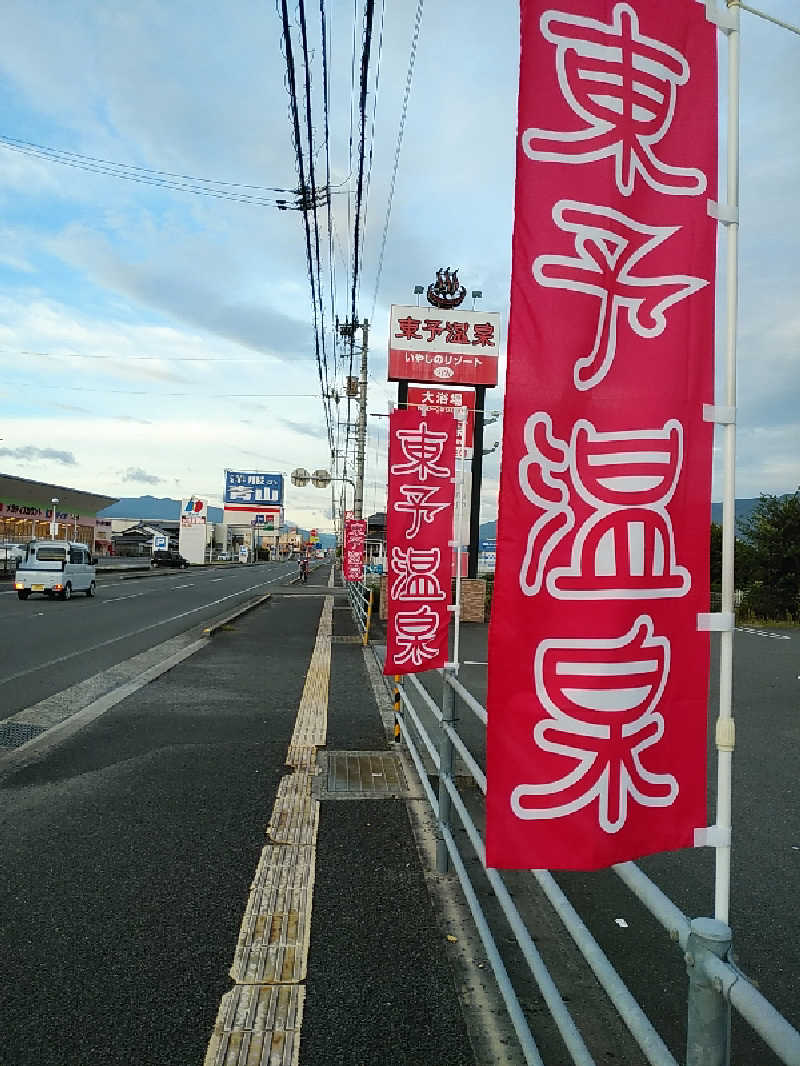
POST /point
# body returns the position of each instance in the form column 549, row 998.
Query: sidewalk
column 168, row 844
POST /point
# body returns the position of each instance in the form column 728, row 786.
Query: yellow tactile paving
column 311, row 726
column 258, row 1023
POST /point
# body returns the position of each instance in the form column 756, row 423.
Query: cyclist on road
column 304, row 568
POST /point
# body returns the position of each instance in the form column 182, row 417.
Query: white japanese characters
column 601, row 696
column 624, row 549
column 623, row 86
column 421, row 503
column 610, row 248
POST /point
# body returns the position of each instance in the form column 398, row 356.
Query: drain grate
column 360, row 775
column 350, row 639
column 15, row 734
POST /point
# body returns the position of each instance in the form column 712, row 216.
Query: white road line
column 119, row 599
column 127, row 636
column 190, row 586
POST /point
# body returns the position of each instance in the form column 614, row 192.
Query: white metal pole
column 459, row 553
column 725, row 724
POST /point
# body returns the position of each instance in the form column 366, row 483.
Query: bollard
column 365, row 639
column 445, row 772
column 397, row 708
column 708, row 1034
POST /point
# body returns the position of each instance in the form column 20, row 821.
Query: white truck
column 55, row 568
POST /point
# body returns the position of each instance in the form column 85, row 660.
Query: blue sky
column 174, row 331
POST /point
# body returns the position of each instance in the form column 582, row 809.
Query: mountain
column 146, row 508
column 744, row 508
column 143, row 508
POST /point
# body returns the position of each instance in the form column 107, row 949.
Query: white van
column 55, row 568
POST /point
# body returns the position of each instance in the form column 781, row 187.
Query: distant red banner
column 460, row 403
column 598, row 675
column 355, row 532
column 422, row 465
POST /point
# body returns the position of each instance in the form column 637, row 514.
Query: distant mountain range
column 744, row 508
column 147, row 508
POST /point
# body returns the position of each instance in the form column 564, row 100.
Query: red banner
column 355, row 532
column 596, row 748
column 422, row 466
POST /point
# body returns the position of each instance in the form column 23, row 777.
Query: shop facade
column 35, row 510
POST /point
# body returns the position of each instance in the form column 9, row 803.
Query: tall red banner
column 597, row 672
column 355, row 532
column 419, row 527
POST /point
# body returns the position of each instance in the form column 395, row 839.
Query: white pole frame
column 728, row 23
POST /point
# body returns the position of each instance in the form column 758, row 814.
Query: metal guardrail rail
column 360, row 597
column 715, row 983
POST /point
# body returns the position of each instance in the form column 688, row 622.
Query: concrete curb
column 243, row 609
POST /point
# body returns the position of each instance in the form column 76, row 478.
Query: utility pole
column 347, row 329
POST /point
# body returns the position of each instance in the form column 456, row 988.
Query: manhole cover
column 15, row 734
column 360, row 775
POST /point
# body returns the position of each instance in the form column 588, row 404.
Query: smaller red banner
column 460, row 403
column 422, row 462
column 355, row 532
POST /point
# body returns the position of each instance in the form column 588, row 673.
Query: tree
column 742, row 560
column 772, row 532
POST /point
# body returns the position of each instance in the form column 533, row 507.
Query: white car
column 55, row 568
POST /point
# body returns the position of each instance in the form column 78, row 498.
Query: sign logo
column 446, row 292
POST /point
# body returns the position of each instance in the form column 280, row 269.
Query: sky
column 151, row 338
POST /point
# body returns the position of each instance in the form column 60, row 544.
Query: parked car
column 55, row 568
column 169, row 558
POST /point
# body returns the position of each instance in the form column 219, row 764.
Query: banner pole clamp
column 716, row 622
column 723, row 416
column 727, row 214
column 723, row 18
column 713, row 836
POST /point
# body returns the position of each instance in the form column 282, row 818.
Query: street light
column 53, row 501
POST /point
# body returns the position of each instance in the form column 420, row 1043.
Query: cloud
column 135, row 473
column 30, row 454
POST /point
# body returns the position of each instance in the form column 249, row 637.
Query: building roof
column 21, row 490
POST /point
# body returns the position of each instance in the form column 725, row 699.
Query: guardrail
column 715, row 984
column 360, row 597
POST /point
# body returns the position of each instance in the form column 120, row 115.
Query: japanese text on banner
column 355, row 532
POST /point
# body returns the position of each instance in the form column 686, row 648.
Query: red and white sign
column 597, row 672
column 446, row 347
column 355, row 532
column 460, row 403
column 422, row 464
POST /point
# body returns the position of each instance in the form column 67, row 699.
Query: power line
column 161, row 179
column 409, row 79
column 295, row 121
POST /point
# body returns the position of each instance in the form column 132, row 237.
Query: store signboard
column 598, row 672
column 246, row 490
column 444, row 347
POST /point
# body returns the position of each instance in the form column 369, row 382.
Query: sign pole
column 358, row 503
column 725, row 725
column 477, row 475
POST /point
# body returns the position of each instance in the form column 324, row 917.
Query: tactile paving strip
column 258, row 1023
column 258, row 1026
column 311, row 726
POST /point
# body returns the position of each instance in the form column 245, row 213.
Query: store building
column 28, row 508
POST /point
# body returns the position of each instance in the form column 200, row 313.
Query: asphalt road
column 48, row 645
column 766, row 846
